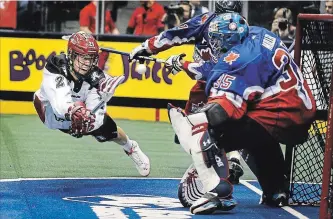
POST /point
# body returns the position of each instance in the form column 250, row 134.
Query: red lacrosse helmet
column 83, row 53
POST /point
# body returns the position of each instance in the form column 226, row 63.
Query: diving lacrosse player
column 257, row 98
column 196, row 30
column 72, row 87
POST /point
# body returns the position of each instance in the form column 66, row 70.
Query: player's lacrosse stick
column 66, row 37
column 99, row 105
column 127, row 54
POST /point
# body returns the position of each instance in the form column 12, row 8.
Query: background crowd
column 145, row 18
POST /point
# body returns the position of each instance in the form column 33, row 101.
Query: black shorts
column 244, row 134
column 106, row 132
column 265, row 150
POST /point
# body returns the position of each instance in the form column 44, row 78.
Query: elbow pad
column 215, row 113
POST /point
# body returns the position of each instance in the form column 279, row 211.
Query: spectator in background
column 198, row 8
column 177, row 14
column 282, row 24
column 146, row 19
column 8, row 14
column 329, row 6
column 88, row 19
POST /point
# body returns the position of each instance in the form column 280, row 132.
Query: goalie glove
column 140, row 50
column 81, row 120
column 173, row 63
column 108, row 85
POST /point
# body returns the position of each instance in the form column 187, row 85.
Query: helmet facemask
column 217, row 44
column 82, row 65
column 221, row 43
column 226, row 31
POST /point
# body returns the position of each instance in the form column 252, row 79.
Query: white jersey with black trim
column 57, row 95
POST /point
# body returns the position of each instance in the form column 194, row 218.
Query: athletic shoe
column 140, row 160
column 210, row 203
column 276, row 200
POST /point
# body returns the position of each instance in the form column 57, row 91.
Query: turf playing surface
column 29, row 149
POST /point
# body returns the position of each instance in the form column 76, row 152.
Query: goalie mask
column 226, row 31
column 83, row 54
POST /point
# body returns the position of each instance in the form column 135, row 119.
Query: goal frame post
column 325, row 211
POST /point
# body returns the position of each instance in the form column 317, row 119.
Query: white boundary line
column 73, row 178
column 286, row 208
column 124, row 177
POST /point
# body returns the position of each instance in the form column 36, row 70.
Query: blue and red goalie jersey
column 260, row 79
column 257, row 78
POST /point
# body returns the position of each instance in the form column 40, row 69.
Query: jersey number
column 224, row 82
column 283, row 61
column 59, row 82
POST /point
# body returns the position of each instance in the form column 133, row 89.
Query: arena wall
column 140, row 97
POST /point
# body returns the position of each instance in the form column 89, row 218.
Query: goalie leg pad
column 193, row 135
column 190, row 140
column 191, row 188
column 209, row 149
column 180, row 125
column 209, row 177
column 224, row 188
column 219, row 198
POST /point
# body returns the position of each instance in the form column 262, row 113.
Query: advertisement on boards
column 23, row 59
